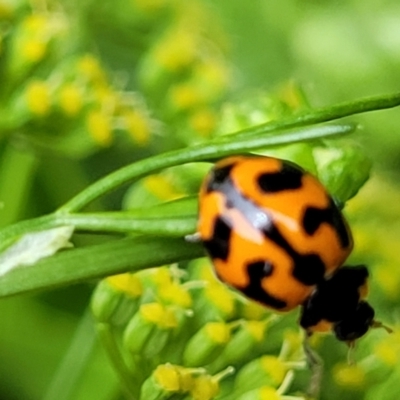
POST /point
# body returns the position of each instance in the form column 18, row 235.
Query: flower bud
column 116, row 298
column 245, row 341
column 343, row 170
column 263, row 393
column 266, row 370
column 163, row 383
column 148, row 331
column 206, row 344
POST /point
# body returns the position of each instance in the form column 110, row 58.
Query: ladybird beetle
column 271, row 229
column 273, row 232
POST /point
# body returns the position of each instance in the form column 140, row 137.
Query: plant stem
column 203, row 152
column 319, row 115
column 70, row 371
column 128, row 385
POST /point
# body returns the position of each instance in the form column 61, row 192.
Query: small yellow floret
column 218, row 332
column 269, row 393
column 349, row 375
column 203, row 121
column 389, row 350
column 127, row 283
column 161, row 187
column 35, row 22
column 89, row 66
column 253, row 310
column 221, row 297
column 99, row 127
column 34, row 50
column 70, row 99
column 167, row 376
column 156, row 313
column 176, row 294
column 138, row 127
column 185, row 96
column 256, row 329
column 274, row 367
column 38, row 98
column 204, row 387
column 177, row 50
column 160, row 276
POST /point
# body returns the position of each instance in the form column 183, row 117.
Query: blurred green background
column 88, row 86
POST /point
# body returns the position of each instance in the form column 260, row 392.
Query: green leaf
column 113, row 257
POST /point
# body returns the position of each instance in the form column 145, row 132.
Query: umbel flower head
column 185, row 335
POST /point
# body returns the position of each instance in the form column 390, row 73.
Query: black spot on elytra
column 257, row 271
column 289, row 177
column 308, row 268
column 314, row 217
column 218, row 177
column 218, row 245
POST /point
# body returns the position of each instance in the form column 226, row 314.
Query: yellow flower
column 137, row 126
column 38, row 98
column 99, row 127
column 70, row 98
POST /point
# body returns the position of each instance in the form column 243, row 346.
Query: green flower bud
column 343, row 170
column 351, row 376
column 244, row 343
column 215, row 302
column 148, row 331
column 172, row 382
column 204, row 387
column 266, row 370
column 116, row 298
column 263, row 393
column 163, row 383
column 31, row 41
column 206, row 344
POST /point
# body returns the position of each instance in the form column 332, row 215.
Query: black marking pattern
column 314, row 217
column 257, row 271
column 218, row 177
column 289, row 177
column 218, row 245
column 308, row 268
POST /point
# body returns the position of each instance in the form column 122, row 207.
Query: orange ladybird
column 271, row 229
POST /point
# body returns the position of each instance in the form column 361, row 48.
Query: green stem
column 319, row 115
column 122, row 222
column 10, row 233
column 111, row 222
column 70, row 371
column 203, row 152
column 129, row 386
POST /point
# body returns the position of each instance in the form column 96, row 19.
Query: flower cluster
column 184, row 335
column 179, row 50
column 58, row 97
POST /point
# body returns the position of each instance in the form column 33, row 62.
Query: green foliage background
column 335, row 50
